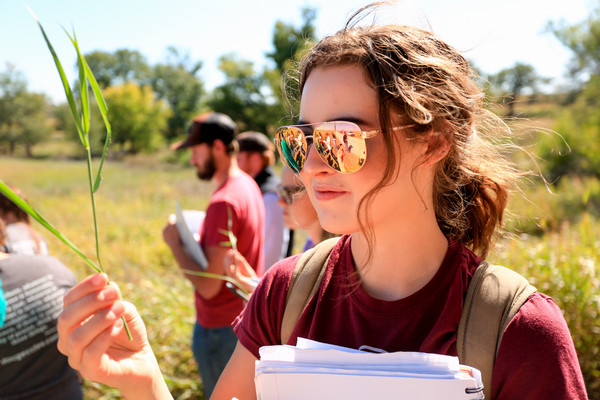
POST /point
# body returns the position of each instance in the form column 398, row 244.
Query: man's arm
column 206, row 287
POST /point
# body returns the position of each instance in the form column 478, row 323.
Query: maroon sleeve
column 260, row 322
column 537, row 358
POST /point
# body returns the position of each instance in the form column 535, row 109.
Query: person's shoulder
column 240, row 184
column 242, row 177
column 537, row 347
column 540, row 315
column 33, row 266
column 34, row 259
column 280, row 273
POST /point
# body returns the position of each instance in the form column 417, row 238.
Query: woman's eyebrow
column 358, row 121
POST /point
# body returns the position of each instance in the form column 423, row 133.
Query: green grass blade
column 63, row 78
column 22, row 204
column 86, row 75
column 103, row 111
column 85, row 120
column 215, row 276
column 83, row 89
column 85, row 103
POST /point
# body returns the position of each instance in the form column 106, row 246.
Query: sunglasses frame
column 287, row 193
column 364, row 135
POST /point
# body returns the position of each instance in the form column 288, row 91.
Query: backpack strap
column 305, row 282
column 494, row 296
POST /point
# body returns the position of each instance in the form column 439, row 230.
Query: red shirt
column 241, row 196
column 537, row 357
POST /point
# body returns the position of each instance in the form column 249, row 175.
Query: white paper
column 314, row 370
column 303, row 386
column 188, row 225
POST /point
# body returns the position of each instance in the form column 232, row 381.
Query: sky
column 492, row 34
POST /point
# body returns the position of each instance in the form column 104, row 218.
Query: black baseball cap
column 254, row 142
column 206, row 128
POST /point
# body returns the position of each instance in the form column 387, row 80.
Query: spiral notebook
column 314, row 370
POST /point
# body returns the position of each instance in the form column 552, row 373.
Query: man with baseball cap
column 255, row 157
column 238, row 199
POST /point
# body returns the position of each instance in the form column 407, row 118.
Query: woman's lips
column 324, row 194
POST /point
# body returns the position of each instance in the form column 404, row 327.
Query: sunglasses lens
column 341, row 146
column 287, row 193
column 291, row 144
column 284, row 194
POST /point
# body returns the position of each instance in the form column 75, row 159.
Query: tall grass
column 133, row 206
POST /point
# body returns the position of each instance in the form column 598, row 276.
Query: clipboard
column 188, row 225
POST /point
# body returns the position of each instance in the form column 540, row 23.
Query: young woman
column 298, row 213
column 418, row 194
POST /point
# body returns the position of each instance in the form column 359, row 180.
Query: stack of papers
column 314, row 370
column 188, row 225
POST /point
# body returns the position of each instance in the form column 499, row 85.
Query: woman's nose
column 314, row 164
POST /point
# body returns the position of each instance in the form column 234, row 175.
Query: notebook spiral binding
column 478, row 390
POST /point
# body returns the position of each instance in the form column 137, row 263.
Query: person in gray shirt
column 31, row 366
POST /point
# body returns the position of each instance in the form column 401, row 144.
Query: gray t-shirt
column 31, row 367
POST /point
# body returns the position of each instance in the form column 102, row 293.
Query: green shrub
column 564, row 265
column 541, row 209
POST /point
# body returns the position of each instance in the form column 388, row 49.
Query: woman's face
column 300, row 214
column 342, row 93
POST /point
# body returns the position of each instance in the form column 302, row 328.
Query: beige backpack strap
column 493, row 298
column 306, row 278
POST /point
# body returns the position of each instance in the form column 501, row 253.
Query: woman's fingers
column 228, row 262
column 82, row 302
column 90, row 284
column 94, row 364
column 79, row 339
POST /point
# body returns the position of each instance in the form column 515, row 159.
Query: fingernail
column 118, row 308
column 97, row 280
column 108, row 293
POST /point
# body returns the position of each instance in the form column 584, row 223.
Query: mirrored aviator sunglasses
column 340, row 144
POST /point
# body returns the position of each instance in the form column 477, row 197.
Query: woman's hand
column 237, row 267
column 93, row 337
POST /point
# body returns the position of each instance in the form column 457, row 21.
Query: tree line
column 151, row 105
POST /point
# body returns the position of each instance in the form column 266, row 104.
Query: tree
column 579, row 123
column 245, row 95
column 583, row 39
column 289, row 40
column 119, row 67
column 512, row 81
column 63, row 123
column 176, row 81
column 23, row 115
column 137, row 117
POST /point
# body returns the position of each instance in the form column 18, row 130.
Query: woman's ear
column 438, row 147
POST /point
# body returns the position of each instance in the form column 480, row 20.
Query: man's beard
column 208, row 170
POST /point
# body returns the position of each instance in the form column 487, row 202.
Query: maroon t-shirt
column 240, row 197
column 536, row 360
